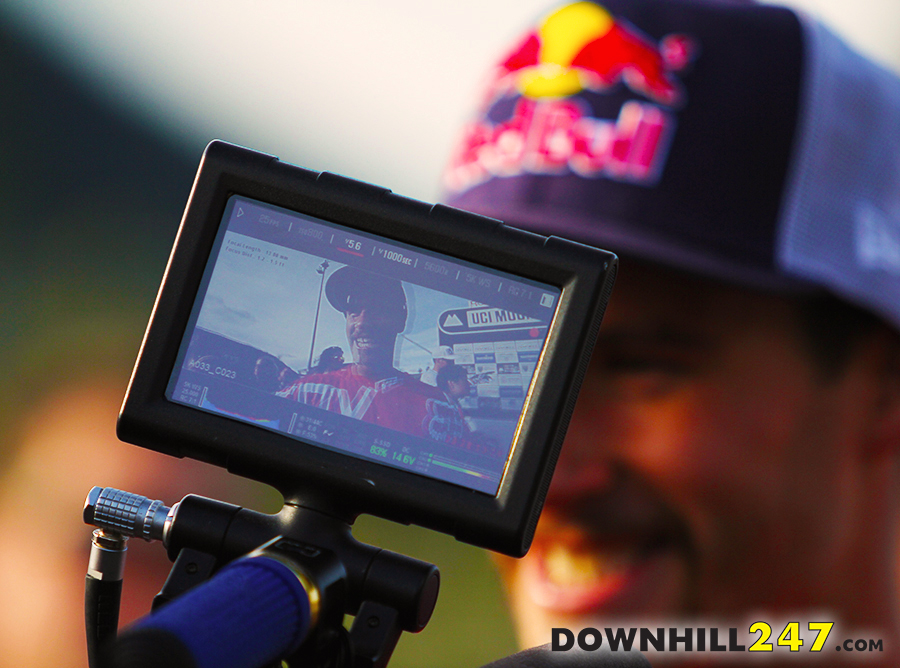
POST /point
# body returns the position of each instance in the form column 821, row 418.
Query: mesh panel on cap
column 841, row 218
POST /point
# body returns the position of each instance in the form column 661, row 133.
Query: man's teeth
column 568, row 568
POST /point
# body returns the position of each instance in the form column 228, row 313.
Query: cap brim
column 629, row 240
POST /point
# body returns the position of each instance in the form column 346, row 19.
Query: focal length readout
column 335, row 242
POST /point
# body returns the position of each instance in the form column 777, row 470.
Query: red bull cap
column 735, row 140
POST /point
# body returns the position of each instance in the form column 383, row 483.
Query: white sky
column 373, row 90
column 258, row 303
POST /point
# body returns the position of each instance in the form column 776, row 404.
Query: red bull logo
column 578, row 47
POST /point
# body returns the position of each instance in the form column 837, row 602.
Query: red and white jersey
column 402, row 403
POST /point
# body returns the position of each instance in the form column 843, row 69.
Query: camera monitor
column 366, row 353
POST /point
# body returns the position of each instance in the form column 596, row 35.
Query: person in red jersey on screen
column 733, row 457
column 370, row 388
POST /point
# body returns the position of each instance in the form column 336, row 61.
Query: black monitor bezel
column 328, row 480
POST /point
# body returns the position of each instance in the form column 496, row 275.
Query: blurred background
column 105, row 109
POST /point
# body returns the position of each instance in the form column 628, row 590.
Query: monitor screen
column 354, row 342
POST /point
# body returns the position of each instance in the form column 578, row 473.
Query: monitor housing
column 232, row 370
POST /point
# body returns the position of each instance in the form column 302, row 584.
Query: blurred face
column 458, row 388
column 708, row 473
column 372, row 328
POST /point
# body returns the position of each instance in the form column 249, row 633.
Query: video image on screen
column 356, row 343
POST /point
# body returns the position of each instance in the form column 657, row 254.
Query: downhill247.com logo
column 759, row 637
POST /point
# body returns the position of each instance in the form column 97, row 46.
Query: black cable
column 103, row 591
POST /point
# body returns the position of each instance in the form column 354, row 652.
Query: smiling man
column 716, row 468
column 371, row 388
column 734, row 454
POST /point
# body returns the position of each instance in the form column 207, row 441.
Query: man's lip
column 583, row 578
column 365, row 342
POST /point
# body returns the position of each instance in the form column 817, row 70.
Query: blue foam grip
column 252, row 612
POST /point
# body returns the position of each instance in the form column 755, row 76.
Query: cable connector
column 128, row 514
